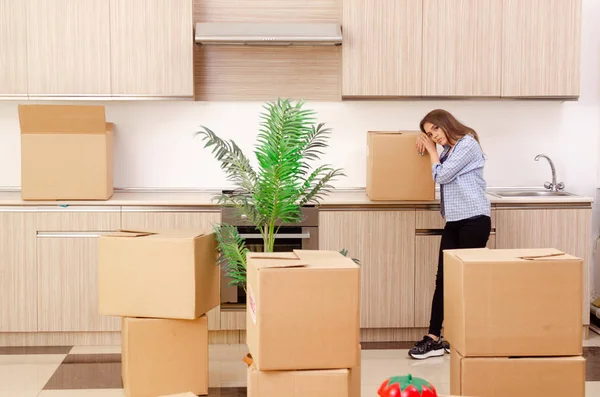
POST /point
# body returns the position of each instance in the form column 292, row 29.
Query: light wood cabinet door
column 568, row 230
column 541, row 45
column 427, row 248
column 152, row 44
column 176, row 218
column 68, row 294
column 381, row 54
column 13, row 48
column 18, row 276
column 462, row 48
column 384, row 242
column 68, row 47
column 67, row 268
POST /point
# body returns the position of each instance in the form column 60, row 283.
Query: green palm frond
column 289, row 140
column 233, row 251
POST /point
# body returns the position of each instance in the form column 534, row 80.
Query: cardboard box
column 66, row 153
column 301, row 383
column 517, row 377
column 524, row 302
column 395, row 170
column 160, row 273
column 303, row 310
column 163, row 356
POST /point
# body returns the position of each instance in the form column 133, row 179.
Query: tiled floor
column 95, row 371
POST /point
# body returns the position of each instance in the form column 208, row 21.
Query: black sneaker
column 446, row 346
column 427, row 348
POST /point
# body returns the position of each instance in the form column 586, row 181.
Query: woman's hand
column 425, row 143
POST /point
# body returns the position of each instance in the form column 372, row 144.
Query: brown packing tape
column 273, row 255
column 541, row 257
column 188, row 394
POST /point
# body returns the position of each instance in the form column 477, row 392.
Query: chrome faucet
column 551, row 185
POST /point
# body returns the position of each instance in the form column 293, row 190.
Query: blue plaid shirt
column 460, row 176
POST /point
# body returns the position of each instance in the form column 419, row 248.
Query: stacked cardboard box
column 395, row 170
column 66, row 153
column 162, row 283
column 513, row 320
column 303, row 324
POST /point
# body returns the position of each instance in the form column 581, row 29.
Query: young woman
column 464, row 205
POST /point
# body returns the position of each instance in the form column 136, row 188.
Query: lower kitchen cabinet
column 18, row 276
column 175, row 218
column 566, row 229
column 67, row 268
column 384, row 242
column 426, row 260
column 68, row 284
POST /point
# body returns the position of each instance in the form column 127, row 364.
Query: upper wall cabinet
column 68, row 47
column 381, row 52
column 152, row 44
column 13, row 49
column 541, row 48
column 462, row 47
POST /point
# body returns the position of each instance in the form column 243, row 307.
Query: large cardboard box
column 395, row 170
column 164, row 356
column 301, row 383
column 517, row 377
column 66, row 153
column 159, row 273
column 525, row 302
column 303, row 310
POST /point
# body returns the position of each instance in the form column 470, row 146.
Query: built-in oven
column 300, row 235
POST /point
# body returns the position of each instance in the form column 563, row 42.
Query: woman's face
column 436, row 134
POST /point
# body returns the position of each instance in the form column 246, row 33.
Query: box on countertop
column 303, row 310
column 524, row 302
column 395, row 170
column 158, row 273
column 164, row 356
column 517, row 377
column 66, row 153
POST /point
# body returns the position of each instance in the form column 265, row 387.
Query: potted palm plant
column 272, row 194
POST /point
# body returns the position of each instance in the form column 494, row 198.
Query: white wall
column 155, row 148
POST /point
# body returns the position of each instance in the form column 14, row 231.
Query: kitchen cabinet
column 541, row 45
column 384, row 242
column 381, row 54
column 18, row 275
column 67, row 268
column 462, row 48
column 152, row 44
column 13, row 42
column 68, row 48
column 177, row 218
column 567, row 229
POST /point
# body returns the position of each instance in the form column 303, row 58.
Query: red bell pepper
column 406, row 386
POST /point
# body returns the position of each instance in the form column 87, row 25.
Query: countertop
column 338, row 198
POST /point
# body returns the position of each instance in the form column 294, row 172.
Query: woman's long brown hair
column 453, row 128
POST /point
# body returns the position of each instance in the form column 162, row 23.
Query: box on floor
column 164, row 356
column 66, row 153
column 303, row 310
column 159, row 273
column 517, row 377
column 525, row 302
column 301, row 383
column 395, row 170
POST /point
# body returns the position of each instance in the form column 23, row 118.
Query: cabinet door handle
column 70, row 234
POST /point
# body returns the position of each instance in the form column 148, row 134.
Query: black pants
column 467, row 233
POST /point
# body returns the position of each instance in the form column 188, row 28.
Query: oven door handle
column 281, row 236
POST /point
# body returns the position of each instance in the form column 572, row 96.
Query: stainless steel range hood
column 268, row 34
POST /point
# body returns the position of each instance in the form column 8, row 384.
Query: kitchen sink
column 530, row 193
